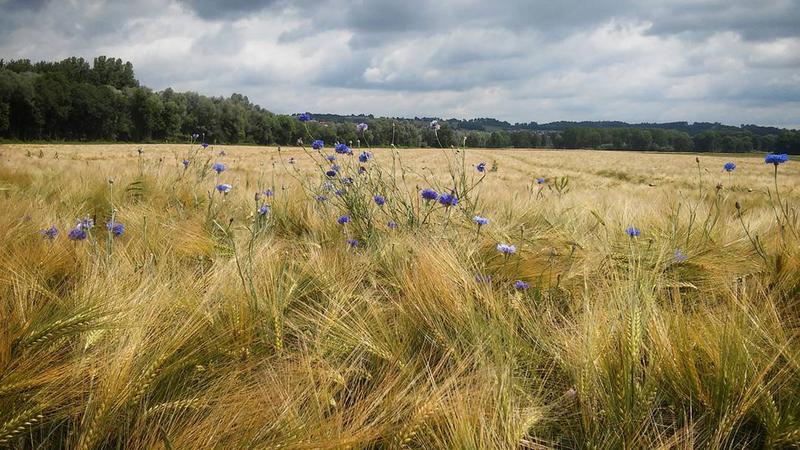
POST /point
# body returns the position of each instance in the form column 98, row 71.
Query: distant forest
column 75, row 100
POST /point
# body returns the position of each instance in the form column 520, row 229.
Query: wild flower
column 480, row 220
column 328, row 186
column 218, row 167
column 50, row 233
column 263, row 210
column 448, row 200
column 320, row 198
column 269, row 193
column 353, row 243
column 633, row 232
column 331, row 173
column 204, row 145
column 347, row 180
column 336, row 168
column 343, row 219
column 729, row 167
column 185, row 163
column 540, row 181
column 116, row 228
column 224, row 188
column 362, row 127
column 331, row 158
column 776, row 158
column 429, row 194
column 339, row 192
column 304, row 117
column 379, row 200
column 85, row 224
column 507, row 249
column 77, row 234
column 392, row 224
column 342, row 149
column 318, row 144
column 364, row 156
column 481, row 167
column 679, row 256
column 483, row 279
column 362, row 170
column 195, row 136
column 521, row 285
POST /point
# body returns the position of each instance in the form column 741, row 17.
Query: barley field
column 179, row 297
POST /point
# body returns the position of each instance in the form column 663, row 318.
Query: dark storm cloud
column 221, row 10
column 728, row 60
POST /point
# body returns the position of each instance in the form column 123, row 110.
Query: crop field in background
column 552, row 299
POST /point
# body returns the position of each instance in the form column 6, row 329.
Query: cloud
column 732, row 61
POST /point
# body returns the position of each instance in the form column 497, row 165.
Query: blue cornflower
column 336, row 168
column 327, row 185
column 379, row 200
column 521, row 285
column 481, row 167
column 320, row 198
column 305, row 117
column 263, row 210
column 392, row 224
column 347, row 180
column 729, row 166
column 364, row 157
column 339, row 192
column 342, row 149
column 362, row 170
column 679, row 256
column 362, row 127
column 448, row 200
column 540, row 181
column 331, row 158
column 269, row 193
column 331, row 173
column 85, row 224
column 115, row 228
column 353, row 243
column 507, row 249
column 633, row 231
column 218, row 167
column 776, row 158
column 483, row 279
column 77, row 234
column 480, row 220
column 50, row 233
column 185, row 163
column 343, row 219
column 224, row 188
column 204, row 145
column 318, row 144
column 429, row 194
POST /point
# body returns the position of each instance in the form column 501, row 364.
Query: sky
column 731, row 61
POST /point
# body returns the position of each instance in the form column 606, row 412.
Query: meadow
column 180, row 297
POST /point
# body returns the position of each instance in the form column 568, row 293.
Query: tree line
column 75, row 100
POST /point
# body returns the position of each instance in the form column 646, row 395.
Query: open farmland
column 613, row 299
